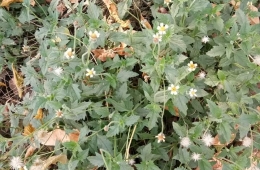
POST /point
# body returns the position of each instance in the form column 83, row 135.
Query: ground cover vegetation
column 129, row 84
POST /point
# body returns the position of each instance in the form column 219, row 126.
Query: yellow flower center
column 90, row 72
column 192, row 66
column 70, row 53
column 162, row 28
column 193, row 92
column 93, row 36
column 174, row 88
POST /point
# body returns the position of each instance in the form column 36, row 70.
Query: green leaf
column 146, row 153
column 123, row 7
column 25, row 16
column 181, row 131
column 124, row 75
column 161, row 97
column 153, row 115
column 197, row 106
column 113, row 130
column 215, row 111
column 147, row 165
column 177, row 43
column 96, row 160
column 8, row 41
column 93, row 11
column 118, row 106
column 216, row 51
column 199, row 5
column 181, row 101
column 131, row 120
column 204, row 164
column 72, row 146
column 224, row 131
column 77, row 111
column 245, row 121
column 219, row 24
column 104, row 143
column 221, row 75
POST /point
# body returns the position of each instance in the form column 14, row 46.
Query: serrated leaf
column 104, row 143
column 161, row 97
column 224, row 130
column 216, row 51
column 113, row 130
column 219, row 24
column 177, row 43
column 204, row 164
column 96, row 160
column 124, row 75
column 181, row 131
column 181, row 103
column 153, row 115
column 93, row 11
column 215, row 111
column 118, row 106
column 131, row 120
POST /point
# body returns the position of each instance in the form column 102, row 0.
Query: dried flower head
column 192, row 92
column 91, row 72
column 205, row 39
column 247, row 141
column 58, row 71
column 192, row 66
column 106, row 128
column 162, row 28
column 69, row 54
column 56, row 39
column 202, row 75
column 173, row 89
column 16, row 163
column 167, row 2
column 195, row 156
column 131, row 161
column 185, row 142
column 160, row 137
column 26, row 48
column 59, row 113
column 93, row 36
column 256, row 60
column 157, row 38
column 208, row 139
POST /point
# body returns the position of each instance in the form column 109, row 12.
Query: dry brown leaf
column 18, row 81
column 74, row 136
column 218, row 13
column 235, row 4
column 218, row 145
column 111, row 6
column 57, row 135
column 61, row 8
column 145, row 23
column 28, row 130
column 2, row 84
column 254, row 20
column 29, row 152
column 74, row 1
column 39, row 114
column 103, row 54
column 6, row 3
column 44, row 164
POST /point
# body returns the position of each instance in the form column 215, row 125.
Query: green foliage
column 122, row 100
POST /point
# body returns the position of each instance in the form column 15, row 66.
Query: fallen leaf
column 145, row 23
column 2, row 84
column 18, row 81
column 39, row 114
column 44, row 164
column 61, row 8
column 111, row 6
column 57, row 135
column 32, row 2
column 218, row 145
column 74, row 136
column 254, row 20
column 28, row 130
column 6, row 3
column 74, row 1
column 29, row 152
column 103, row 54
column 235, row 4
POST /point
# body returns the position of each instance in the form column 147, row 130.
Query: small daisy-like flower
column 167, row 2
column 162, row 28
column 25, row 168
column 173, row 89
column 185, row 142
column 202, row 75
column 247, row 141
column 207, row 139
column 69, row 54
column 56, row 39
column 58, row 71
column 106, row 128
column 195, row 156
column 93, row 35
column 205, row 39
column 192, row 92
column 59, row 113
column 157, row 38
column 256, row 60
column 192, row 66
column 16, row 163
column 160, row 137
column 91, row 72
column 131, row 161
column 26, row 48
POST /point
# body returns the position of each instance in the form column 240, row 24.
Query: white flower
column 192, row 66
column 16, row 163
column 195, row 156
column 157, row 38
column 162, row 28
column 207, row 139
column 59, row 113
column 131, row 161
column 202, row 75
column 26, row 48
column 256, row 60
column 173, row 89
column 167, row 2
column 160, row 137
column 25, row 168
column 185, row 142
column 192, row 92
column 56, row 39
column 205, row 39
column 58, row 71
column 91, row 72
column 69, row 54
column 93, row 35
column 247, row 141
